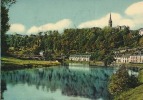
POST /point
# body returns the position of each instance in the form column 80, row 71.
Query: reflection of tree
column 90, row 84
column 3, row 88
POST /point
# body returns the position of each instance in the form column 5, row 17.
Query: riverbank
column 10, row 63
column 100, row 63
column 132, row 94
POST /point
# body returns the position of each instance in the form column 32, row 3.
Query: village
column 121, row 56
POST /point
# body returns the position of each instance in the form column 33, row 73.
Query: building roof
column 80, row 55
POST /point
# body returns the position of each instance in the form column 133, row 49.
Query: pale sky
column 32, row 16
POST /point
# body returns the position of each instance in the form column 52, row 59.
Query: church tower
column 110, row 21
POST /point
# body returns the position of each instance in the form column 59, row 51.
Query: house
column 141, row 31
column 41, row 53
column 122, row 59
column 136, row 58
column 79, row 57
column 129, row 59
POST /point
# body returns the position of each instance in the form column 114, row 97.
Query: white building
column 122, row 59
column 136, row 58
column 129, row 59
column 141, row 31
column 79, row 57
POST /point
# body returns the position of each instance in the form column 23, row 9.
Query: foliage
column 132, row 94
column 96, row 41
column 5, row 4
column 140, row 77
column 119, row 81
column 12, row 63
column 108, row 59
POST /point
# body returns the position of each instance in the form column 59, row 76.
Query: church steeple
column 110, row 21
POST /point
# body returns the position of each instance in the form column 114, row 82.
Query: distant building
column 122, row 59
column 136, row 58
column 118, row 27
column 41, row 53
column 79, row 57
column 141, row 31
column 110, row 21
column 122, row 27
column 129, row 59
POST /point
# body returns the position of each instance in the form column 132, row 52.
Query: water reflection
column 91, row 83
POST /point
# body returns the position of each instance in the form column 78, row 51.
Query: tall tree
column 5, row 4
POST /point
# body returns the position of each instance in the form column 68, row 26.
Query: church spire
column 110, row 21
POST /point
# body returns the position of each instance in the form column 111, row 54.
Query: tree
column 5, row 4
column 108, row 59
column 140, row 77
column 119, row 81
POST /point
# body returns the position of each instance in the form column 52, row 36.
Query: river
column 73, row 82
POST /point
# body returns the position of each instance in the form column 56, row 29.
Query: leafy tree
column 140, row 77
column 119, row 81
column 108, row 59
column 141, row 41
column 5, row 4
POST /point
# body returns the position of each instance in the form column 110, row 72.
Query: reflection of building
column 79, row 57
column 141, row 31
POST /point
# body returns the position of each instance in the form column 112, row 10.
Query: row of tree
column 96, row 41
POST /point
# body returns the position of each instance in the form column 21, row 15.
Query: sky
column 33, row 16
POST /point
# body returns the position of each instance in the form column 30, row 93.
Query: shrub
column 119, row 81
column 140, row 77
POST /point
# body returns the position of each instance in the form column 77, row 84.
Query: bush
column 121, row 81
column 140, row 77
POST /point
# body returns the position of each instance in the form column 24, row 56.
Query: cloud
column 135, row 9
column 102, row 22
column 133, row 18
column 60, row 26
column 18, row 28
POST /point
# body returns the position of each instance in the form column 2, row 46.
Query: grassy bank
column 10, row 63
column 133, row 93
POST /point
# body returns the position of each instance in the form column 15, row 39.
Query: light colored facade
column 79, row 57
column 141, row 31
column 129, row 59
column 136, row 59
column 122, row 59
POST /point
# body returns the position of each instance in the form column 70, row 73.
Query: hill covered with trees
column 98, row 42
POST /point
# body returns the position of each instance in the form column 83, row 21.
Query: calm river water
column 73, row 82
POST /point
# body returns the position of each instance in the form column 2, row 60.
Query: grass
column 14, row 63
column 135, row 64
column 132, row 94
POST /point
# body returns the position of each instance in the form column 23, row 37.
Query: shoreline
column 11, row 63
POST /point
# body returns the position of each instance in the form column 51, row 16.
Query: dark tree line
column 5, row 4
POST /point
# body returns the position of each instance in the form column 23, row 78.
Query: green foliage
column 97, row 41
column 5, row 4
column 119, row 81
column 132, row 94
column 108, row 59
column 140, row 77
